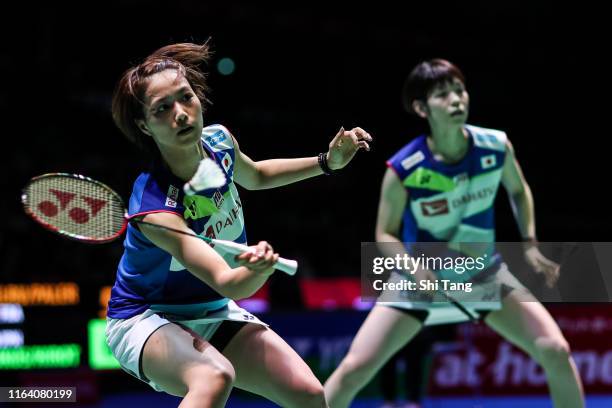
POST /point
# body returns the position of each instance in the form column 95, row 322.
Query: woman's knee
column 311, row 395
column 356, row 370
column 552, row 352
column 224, row 376
column 209, row 378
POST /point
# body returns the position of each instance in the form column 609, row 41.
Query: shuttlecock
column 209, row 175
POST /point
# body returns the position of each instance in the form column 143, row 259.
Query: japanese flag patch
column 488, row 161
column 227, row 162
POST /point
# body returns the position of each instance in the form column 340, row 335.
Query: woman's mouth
column 185, row 131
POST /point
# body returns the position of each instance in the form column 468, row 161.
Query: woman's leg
column 183, row 364
column 383, row 333
column 529, row 326
column 266, row 365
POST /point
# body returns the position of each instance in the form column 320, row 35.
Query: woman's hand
column 260, row 258
column 541, row 264
column 345, row 144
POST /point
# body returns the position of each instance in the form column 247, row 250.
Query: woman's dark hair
column 128, row 97
column 424, row 78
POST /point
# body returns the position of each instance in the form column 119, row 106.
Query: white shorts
column 127, row 337
column 445, row 312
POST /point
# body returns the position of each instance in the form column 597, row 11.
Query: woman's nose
column 181, row 116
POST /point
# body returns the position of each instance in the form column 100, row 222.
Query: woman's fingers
column 362, row 134
column 364, row 145
column 259, row 257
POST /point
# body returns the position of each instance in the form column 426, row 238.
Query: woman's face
column 448, row 103
column 172, row 111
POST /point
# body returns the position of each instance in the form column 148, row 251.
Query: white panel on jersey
column 488, row 138
column 217, row 137
column 413, row 159
column 469, row 233
column 481, row 193
column 435, row 213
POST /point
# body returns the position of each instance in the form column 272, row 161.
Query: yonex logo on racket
column 64, row 198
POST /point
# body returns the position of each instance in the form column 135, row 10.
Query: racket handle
column 289, row 266
column 461, row 308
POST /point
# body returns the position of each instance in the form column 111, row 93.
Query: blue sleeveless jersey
column 149, row 277
column 452, row 202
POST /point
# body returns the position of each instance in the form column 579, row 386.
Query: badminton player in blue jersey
column 172, row 322
column 441, row 187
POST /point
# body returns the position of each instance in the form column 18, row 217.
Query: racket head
column 75, row 206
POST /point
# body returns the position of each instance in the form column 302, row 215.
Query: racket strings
column 76, row 206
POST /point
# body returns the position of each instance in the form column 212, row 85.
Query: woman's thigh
column 175, row 356
column 266, row 365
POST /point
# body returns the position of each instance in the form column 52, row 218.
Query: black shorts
column 225, row 333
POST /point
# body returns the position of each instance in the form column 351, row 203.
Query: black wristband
column 323, row 164
column 531, row 239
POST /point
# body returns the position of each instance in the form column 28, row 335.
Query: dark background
column 302, row 71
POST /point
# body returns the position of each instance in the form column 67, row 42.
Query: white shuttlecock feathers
column 209, row 175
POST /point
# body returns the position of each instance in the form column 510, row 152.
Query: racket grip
column 461, row 308
column 289, row 266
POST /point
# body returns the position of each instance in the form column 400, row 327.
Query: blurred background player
column 441, row 187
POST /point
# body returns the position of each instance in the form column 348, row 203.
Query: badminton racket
column 86, row 210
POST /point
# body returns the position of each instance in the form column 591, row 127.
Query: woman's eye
column 187, row 97
column 161, row 108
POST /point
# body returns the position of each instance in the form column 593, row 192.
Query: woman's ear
column 143, row 127
column 420, row 108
